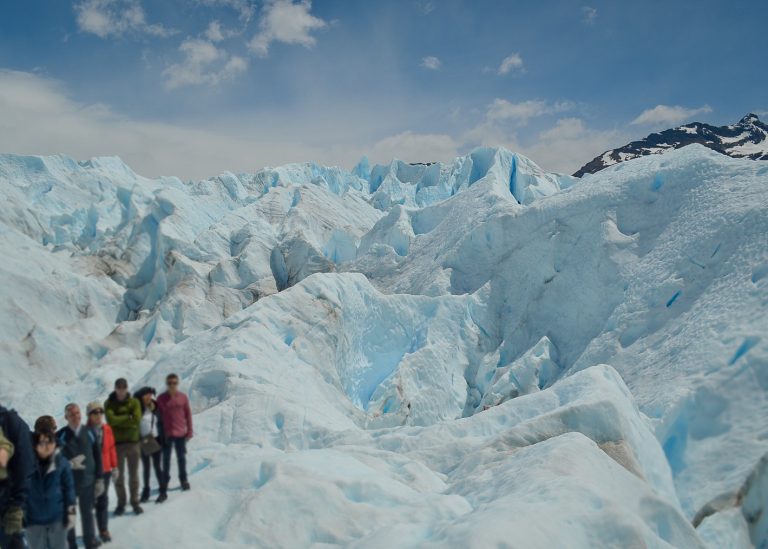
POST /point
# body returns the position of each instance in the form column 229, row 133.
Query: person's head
column 147, row 396
column 72, row 415
column 121, row 389
column 46, row 423
column 95, row 414
column 44, row 443
column 172, row 383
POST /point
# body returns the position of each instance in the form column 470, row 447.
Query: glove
column 13, row 521
column 69, row 521
column 18, row 541
column 115, row 474
column 98, row 489
column 78, row 462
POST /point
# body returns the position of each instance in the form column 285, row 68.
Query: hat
column 121, row 383
column 95, row 405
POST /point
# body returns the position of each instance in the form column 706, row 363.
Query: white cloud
column 665, row 114
column 214, row 32
column 425, row 6
column 244, row 8
column 510, row 63
column 570, row 144
column 588, row 15
column 203, row 63
column 106, row 18
column 431, row 62
column 501, row 109
column 414, row 147
column 287, row 22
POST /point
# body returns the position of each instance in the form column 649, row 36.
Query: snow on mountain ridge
column 748, row 138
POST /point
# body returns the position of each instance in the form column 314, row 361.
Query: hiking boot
column 145, row 495
column 161, row 498
column 93, row 545
column 105, row 536
column 185, row 486
column 120, row 511
column 137, row 509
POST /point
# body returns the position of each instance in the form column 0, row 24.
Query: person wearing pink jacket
column 176, row 419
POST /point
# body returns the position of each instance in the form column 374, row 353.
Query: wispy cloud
column 425, row 6
column 214, row 32
column 501, row 109
column 203, row 63
column 431, row 62
column 244, row 8
column 666, row 114
column 106, row 18
column 588, row 15
column 510, row 63
column 287, row 22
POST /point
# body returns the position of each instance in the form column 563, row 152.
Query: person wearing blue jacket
column 14, row 489
column 51, row 502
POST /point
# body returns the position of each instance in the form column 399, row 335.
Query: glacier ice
column 443, row 354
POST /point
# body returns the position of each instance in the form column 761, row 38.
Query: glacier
column 465, row 354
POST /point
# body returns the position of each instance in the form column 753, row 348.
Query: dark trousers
column 147, row 462
column 180, row 445
column 102, row 505
column 128, row 452
column 85, row 502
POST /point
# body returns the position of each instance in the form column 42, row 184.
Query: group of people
column 47, row 475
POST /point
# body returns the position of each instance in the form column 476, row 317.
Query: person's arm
column 117, row 420
column 188, row 414
column 20, row 466
column 136, row 412
column 67, row 484
column 97, row 455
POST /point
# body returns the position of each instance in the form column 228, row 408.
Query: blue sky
column 195, row 87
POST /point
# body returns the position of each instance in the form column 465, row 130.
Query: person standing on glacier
column 151, row 442
column 176, row 418
column 124, row 416
column 109, row 465
column 17, row 459
column 80, row 446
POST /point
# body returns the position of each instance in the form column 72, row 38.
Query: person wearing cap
column 51, row 504
column 80, row 446
column 109, row 465
column 151, row 445
column 124, row 416
column 176, row 417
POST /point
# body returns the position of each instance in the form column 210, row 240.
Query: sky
column 196, row 87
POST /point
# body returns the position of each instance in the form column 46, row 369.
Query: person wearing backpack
column 80, row 446
column 14, row 490
column 51, row 504
column 151, row 454
column 124, row 416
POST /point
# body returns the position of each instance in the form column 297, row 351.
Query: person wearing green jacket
column 124, row 416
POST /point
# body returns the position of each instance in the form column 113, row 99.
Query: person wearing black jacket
column 14, row 490
column 80, row 446
column 150, row 428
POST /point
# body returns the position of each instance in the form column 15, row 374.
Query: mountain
column 748, row 138
column 444, row 355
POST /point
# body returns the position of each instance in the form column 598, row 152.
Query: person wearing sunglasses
column 176, row 418
column 124, row 416
column 109, row 465
column 51, row 504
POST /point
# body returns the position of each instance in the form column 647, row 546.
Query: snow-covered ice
column 467, row 354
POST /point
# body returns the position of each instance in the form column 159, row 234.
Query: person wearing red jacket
column 106, row 440
column 176, row 418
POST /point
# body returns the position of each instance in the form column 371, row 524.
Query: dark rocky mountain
column 748, row 138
